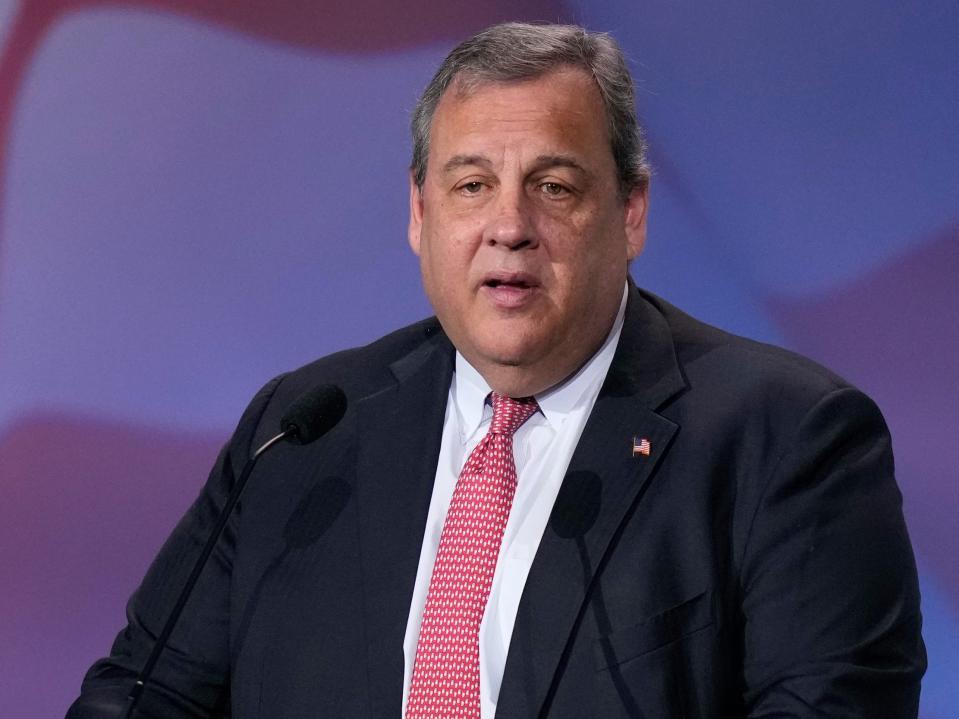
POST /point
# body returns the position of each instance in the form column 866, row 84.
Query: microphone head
column 314, row 413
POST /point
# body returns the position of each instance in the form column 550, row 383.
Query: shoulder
column 702, row 348
column 358, row 371
column 361, row 371
column 730, row 376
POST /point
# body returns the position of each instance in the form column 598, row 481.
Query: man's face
column 522, row 233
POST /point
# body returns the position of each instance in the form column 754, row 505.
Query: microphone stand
column 134, row 697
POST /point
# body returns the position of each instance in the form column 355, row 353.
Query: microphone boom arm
column 198, row 566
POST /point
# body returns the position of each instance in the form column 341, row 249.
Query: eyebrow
column 544, row 161
column 457, row 161
column 541, row 162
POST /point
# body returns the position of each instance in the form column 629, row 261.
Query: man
column 562, row 497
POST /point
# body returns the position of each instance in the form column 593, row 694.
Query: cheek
column 450, row 247
column 567, row 251
column 444, row 268
column 586, row 265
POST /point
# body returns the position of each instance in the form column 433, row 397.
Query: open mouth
column 510, row 291
column 508, row 284
column 510, row 280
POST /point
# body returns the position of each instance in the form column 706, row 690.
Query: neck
column 552, row 369
column 515, row 381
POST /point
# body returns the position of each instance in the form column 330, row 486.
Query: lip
column 509, row 290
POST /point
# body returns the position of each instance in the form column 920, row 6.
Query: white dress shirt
column 542, row 450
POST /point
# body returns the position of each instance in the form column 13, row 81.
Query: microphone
column 312, row 414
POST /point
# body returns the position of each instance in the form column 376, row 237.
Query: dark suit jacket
column 755, row 563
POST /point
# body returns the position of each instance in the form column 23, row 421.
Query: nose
column 511, row 223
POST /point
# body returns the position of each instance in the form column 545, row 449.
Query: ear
column 636, row 205
column 416, row 215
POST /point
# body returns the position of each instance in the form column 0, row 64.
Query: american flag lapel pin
column 641, row 446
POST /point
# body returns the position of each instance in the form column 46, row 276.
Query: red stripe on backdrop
column 86, row 505
column 360, row 26
column 91, row 488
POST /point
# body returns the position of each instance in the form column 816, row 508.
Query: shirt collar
column 469, row 390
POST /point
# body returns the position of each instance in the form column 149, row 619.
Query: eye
column 553, row 189
column 471, row 188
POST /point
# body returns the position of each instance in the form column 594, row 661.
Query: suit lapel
column 604, row 484
column 401, row 429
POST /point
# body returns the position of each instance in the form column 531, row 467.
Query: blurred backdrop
column 197, row 195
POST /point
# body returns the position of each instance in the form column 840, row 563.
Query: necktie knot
column 509, row 413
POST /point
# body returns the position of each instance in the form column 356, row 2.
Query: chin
column 504, row 344
column 504, row 357
column 508, row 354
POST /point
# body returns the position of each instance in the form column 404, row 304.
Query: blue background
column 199, row 195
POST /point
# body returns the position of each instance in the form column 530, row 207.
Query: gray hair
column 513, row 52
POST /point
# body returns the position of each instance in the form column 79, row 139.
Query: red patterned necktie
column 446, row 672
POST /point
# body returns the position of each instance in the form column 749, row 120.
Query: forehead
column 561, row 111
